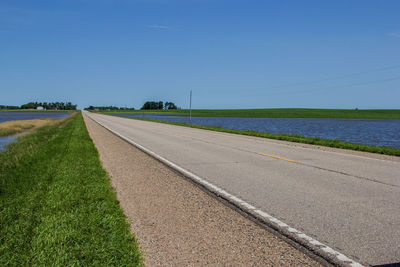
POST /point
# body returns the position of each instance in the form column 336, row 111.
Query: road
column 348, row 202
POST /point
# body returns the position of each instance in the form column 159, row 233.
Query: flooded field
column 14, row 116
column 361, row 131
column 25, row 116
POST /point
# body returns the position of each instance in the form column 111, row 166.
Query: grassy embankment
column 57, row 207
column 288, row 137
column 280, row 113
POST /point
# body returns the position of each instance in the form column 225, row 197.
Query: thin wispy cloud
column 159, row 27
column 394, row 34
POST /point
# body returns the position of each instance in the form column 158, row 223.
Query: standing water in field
column 4, row 141
column 360, row 131
column 15, row 116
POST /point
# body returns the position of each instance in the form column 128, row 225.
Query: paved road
column 351, row 203
column 176, row 223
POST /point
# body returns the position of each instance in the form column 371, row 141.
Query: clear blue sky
column 232, row 54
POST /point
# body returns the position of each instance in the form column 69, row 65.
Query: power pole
column 190, row 109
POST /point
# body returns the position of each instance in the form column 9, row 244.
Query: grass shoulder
column 57, row 207
column 290, row 138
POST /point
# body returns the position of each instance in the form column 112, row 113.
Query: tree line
column 50, row 105
column 45, row 105
column 108, row 108
column 157, row 105
column 9, row 107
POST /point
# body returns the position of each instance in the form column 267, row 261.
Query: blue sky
column 232, row 54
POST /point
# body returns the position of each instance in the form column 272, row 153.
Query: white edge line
column 241, row 203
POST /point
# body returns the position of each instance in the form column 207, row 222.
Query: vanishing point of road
column 348, row 202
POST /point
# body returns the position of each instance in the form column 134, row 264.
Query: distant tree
column 170, row 105
column 108, row 108
column 54, row 105
column 150, row 105
column 9, row 107
column 29, row 105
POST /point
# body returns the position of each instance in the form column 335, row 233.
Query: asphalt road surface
column 348, row 202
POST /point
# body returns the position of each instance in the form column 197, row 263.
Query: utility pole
column 190, row 109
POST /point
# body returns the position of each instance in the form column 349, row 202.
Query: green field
column 57, row 207
column 281, row 113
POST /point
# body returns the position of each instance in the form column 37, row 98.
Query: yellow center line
column 276, row 157
column 181, row 135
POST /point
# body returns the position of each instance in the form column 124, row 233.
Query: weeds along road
column 347, row 202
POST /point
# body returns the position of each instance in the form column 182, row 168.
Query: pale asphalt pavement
column 348, row 202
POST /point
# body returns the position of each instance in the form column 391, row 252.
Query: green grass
column 282, row 113
column 57, row 207
column 291, row 138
